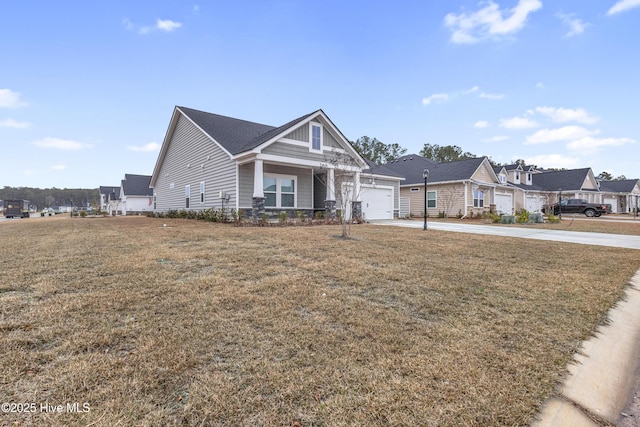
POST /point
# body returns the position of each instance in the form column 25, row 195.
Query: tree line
column 379, row 152
column 48, row 197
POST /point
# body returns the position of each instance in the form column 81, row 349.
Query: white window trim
column 478, row 198
column 435, row 199
column 311, row 125
column 187, row 196
column 278, row 193
column 202, row 192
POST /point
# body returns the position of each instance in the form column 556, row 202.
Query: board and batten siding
column 304, row 183
column 302, row 134
column 190, row 159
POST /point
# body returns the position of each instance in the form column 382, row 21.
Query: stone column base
column 257, row 208
column 330, row 208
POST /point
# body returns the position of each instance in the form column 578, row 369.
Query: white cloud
column 497, row 138
column 553, row 161
column 489, row 21
column 562, row 115
column 481, row 124
column 589, row 144
column 576, row 25
column 60, row 144
column 10, row 123
column 540, row 85
column 435, row 98
column 152, row 146
column 518, row 123
column 167, row 25
column 162, row 25
column 472, row 90
column 491, row 95
column 566, row 133
column 10, row 99
column 196, row 8
column 58, row 167
column 623, row 6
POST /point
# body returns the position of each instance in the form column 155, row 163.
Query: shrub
column 282, row 217
column 552, row 218
column 523, row 217
column 495, row 218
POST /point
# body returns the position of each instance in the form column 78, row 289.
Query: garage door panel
column 504, row 203
column 377, row 203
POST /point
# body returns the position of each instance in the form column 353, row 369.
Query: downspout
column 465, row 200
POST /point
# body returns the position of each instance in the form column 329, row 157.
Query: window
column 316, row 137
column 415, row 190
column 202, row 193
column 279, row 191
column 478, row 198
column 528, row 178
column 518, row 176
column 155, row 201
column 187, row 195
column 431, row 199
column 503, row 179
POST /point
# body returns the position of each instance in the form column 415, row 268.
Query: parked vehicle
column 581, row 206
column 16, row 208
column 47, row 212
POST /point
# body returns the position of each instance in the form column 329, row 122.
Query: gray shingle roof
column 136, row 185
column 236, row 135
column 412, row 166
column 619, row 186
column 567, row 180
column 107, row 190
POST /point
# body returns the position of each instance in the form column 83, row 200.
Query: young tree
column 377, row 151
column 342, row 179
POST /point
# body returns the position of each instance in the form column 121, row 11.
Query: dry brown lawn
column 205, row 324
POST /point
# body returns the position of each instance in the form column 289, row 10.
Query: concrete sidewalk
column 600, row 239
column 605, row 374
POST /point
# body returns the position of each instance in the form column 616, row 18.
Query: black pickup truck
column 579, row 206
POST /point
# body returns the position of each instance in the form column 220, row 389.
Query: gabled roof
column 376, row 169
column 136, row 185
column 412, row 166
column 619, row 186
column 567, row 180
column 107, row 190
column 235, row 135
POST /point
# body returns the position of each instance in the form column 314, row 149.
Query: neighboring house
column 453, row 188
column 527, row 194
column 534, row 188
column 135, row 195
column 212, row 161
column 110, row 199
column 622, row 195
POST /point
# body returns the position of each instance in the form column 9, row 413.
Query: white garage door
column 377, row 203
column 613, row 202
column 532, row 204
column 504, row 204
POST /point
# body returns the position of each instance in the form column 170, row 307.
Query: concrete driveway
column 524, row 232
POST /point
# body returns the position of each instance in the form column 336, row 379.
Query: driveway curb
column 601, row 376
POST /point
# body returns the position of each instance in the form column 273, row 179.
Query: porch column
column 330, row 202
column 257, row 204
column 356, row 205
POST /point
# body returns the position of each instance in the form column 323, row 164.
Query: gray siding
column 302, row 134
column 189, row 146
column 304, row 182
column 293, row 151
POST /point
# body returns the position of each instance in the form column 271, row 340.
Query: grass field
column 206, row 324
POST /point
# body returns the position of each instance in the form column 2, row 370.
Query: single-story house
column 213, row 161
column 135, row 195
column 462, row 187
column 622, row 195
column 110, row 199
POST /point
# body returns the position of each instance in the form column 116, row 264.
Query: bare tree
column 342, row 178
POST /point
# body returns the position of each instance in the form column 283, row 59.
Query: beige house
column 458, row 188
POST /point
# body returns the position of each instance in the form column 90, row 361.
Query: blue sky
column 87, row 88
